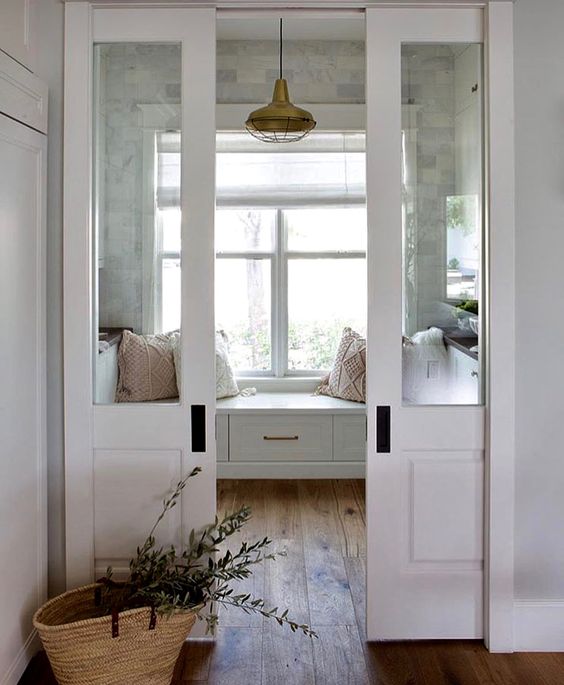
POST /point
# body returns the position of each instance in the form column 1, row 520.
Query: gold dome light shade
column 280, row 121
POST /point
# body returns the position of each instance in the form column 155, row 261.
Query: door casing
column 500, row 411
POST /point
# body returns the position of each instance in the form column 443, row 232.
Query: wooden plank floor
column 321, row 524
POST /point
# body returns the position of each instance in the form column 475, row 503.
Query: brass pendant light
column 280, row 121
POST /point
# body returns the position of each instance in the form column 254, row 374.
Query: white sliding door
column 139, row 259
column 426, row 361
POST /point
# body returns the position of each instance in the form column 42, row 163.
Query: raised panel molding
column 23, row 96
column 129, row 487
column 349, row 438
column 17, row 31
column 447, row 535
column 23, row 472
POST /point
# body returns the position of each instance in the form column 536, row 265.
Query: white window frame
column 160, row 256
column 279, row 259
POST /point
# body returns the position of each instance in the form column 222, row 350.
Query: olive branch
column 197, row 575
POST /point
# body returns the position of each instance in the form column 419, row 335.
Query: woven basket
column 134, row 647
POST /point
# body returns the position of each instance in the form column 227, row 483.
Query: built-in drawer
column 349, row 438
column 288, row 437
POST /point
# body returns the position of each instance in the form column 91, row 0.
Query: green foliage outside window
column 311, row 345
column 461, row 213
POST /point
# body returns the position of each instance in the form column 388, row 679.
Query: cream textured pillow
column 225, row 383
column 146, row 369
column 347, row 379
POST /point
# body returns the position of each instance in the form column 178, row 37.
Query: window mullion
column 158, row 305
column 274, row 323
column 281, row 298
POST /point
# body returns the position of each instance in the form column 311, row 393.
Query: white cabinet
column 17, row 30
column 23, row 513
column 349, row 438
column 22, row 95
column 106, row 375
column 464, row 377
column 290, row 435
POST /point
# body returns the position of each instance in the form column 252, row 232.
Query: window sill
column 281, row 403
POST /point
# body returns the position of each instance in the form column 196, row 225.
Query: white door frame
column 500, row 410
column 500, row 401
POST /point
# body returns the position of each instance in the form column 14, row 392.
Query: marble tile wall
column 133, row 74
column 428, row 84
column 130, row 74
column 320, row 71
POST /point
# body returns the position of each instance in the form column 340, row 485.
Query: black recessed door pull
column 383, row 438
column 198, row 423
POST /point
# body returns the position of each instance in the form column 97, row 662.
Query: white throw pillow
column 424, row 347
column 176, row 355
column 225, row 384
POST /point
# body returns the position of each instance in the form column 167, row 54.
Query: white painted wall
column 539, row 90
column 50, row 69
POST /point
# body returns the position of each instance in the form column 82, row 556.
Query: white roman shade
column 325, row 168
column 168, row 169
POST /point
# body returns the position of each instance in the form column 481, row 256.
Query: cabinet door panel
column 23, row 96
column 16, row 30
column 23, row 541
column 349, row 438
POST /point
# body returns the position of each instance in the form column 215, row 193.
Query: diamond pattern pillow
column 146, row 369
column 347, row 379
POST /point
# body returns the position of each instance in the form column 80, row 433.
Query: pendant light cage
column 280, row 121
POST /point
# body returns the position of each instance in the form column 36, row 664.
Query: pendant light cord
column 280, row 47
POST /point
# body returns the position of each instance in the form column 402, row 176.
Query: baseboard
column 539, row 625
column 288, row 470
column 16, row 670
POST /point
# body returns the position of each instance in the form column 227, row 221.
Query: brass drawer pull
column 280, row 437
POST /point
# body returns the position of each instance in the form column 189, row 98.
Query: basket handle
column 115, row 621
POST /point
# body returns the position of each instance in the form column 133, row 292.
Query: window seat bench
column 290, row 435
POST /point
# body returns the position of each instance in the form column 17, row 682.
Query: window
column 290, row 246
column 291, row 251
column 162, row 235
column 463, row 246
column 168, row 222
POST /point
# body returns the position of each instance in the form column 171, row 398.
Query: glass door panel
column 442, row 216
column 137, row 220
